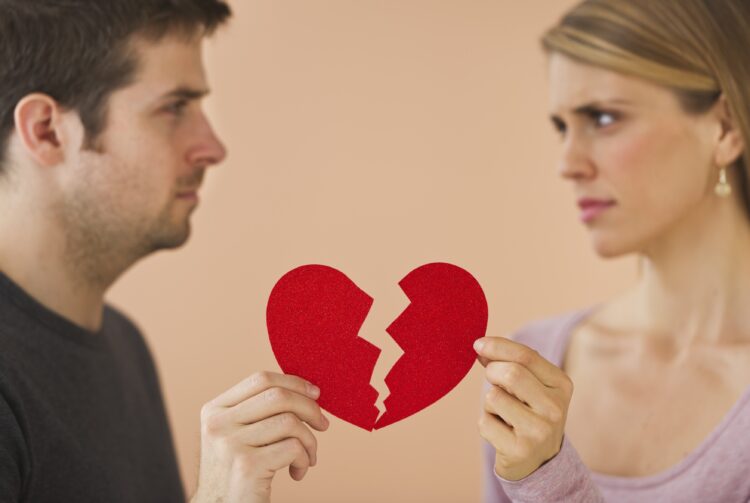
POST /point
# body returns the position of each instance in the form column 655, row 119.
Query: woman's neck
column 695, row 281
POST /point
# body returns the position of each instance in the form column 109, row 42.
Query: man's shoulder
column 124, row 333
column 114, row 317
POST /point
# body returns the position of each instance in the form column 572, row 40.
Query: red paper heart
column 314, row 315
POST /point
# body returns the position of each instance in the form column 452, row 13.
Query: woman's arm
column 562, row 479
column 523, row 419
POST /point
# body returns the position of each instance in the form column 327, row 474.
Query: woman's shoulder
column 549, row 335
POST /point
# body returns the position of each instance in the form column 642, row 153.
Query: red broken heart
column 314, row 315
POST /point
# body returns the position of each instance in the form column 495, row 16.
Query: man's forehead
column 170, row 66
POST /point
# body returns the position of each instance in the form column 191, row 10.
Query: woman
column 652, row 101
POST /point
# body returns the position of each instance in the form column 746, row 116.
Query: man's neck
column 49, row 286
column 33, row 255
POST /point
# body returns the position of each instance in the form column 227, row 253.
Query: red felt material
column 315, row 312
column 313, row 316
column 448, row 312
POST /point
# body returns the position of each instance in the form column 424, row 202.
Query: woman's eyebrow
column 591, row 107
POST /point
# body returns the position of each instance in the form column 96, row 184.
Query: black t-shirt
column 81, row 413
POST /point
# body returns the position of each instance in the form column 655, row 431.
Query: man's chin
column 175, row 238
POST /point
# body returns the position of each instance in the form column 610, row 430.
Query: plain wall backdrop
column 372, row 136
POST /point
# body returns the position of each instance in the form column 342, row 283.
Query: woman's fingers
column 501, row 349
column 484, row 361
column 495, row 430
column 521, row 383
column 507, row 407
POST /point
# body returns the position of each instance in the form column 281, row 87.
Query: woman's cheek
column 626, row 161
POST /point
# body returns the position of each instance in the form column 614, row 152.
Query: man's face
column 135, row 194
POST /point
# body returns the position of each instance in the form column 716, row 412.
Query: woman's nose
column 575, row 162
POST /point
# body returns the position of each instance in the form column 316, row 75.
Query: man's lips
column 592, row 208
column 191, row 194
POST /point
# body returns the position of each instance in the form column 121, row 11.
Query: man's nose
column 208, row 149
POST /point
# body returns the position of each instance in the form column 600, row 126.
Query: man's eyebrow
column 185, row 93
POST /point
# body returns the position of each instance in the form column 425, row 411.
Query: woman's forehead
column 573, row 84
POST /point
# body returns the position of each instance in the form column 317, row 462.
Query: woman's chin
column 610, row 247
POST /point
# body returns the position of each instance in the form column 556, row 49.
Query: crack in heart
column 314, row 315
column 387, row 306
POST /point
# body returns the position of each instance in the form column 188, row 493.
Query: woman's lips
column 592, row 208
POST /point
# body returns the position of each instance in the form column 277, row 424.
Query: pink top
column 717, row 471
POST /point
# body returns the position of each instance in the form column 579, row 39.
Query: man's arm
column 13, row 453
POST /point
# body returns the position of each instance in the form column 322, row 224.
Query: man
column 103, row 147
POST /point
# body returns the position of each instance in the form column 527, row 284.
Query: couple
column 103, row 147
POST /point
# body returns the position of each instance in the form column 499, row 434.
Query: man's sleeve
column 12, row 454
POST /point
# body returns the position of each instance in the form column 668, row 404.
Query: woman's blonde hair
column 698, row 48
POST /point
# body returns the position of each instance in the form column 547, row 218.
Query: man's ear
column 731, row 143
column 38, row 121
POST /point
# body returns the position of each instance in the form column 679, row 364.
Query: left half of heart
column 314, row 315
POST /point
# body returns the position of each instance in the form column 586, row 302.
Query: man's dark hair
column 78, row 51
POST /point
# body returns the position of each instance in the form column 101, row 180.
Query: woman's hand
column 526, row 407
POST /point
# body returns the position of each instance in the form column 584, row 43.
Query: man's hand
column 526, row 408
column 251, row 431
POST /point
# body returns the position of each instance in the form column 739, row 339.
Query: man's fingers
column 277, row 428
column 297, row 473
column 289, row 452
column 275, row 401
column 502, row 349
column 261, row 381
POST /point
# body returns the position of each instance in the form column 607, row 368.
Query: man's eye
column 559, row 126
column 177, row 108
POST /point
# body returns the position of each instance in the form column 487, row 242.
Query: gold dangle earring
column 723, row 189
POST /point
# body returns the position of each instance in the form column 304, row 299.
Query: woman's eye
column 599, row 118
column 603, row 119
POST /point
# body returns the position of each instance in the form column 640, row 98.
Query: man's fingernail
column 313, row 390
column 478, row 345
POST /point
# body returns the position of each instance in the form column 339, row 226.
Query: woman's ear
column 39, row 124
column 731, row 143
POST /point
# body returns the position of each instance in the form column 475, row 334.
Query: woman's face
column 639, row 165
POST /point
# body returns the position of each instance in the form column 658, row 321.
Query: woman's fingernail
column 478, row 345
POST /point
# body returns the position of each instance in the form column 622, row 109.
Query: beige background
column 373, row 136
